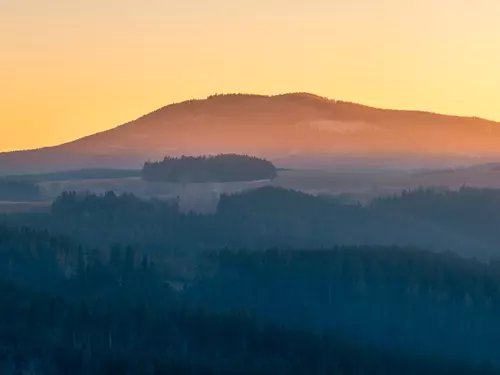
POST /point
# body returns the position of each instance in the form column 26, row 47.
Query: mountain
column 285, row 128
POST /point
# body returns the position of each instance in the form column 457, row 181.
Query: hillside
column 281, row 127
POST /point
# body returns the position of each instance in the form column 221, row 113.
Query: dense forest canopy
column 344, row 310
column 275, row 282
column 111, row 205
column 219, row 168
column 465, row 221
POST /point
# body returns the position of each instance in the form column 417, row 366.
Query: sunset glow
column 73, row 68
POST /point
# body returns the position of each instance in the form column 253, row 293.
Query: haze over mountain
column 288, row 129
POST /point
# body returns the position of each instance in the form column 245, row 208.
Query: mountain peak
column 304, row 95
column 270, row 126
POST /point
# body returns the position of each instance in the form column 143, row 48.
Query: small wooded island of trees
column 219, row 168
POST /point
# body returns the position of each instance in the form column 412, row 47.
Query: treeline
column 111, row 206
column 337, row 311
column 413, row 302
column 466, row 221
column 219, row 168
column 19, row 191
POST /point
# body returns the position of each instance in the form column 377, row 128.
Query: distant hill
column 283, row 128
column 77, row 175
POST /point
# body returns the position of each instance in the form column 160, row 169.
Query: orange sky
column 72, row 68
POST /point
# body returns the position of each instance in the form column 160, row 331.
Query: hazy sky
column 69, row 68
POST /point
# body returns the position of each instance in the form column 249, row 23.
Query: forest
column 218, row 168
column 466, row 221
column 67, row 308
column 275, row 282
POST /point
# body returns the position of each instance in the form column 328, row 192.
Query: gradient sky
column 69, row 68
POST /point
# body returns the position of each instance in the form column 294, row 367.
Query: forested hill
column 219, row 168
column 275, row 127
